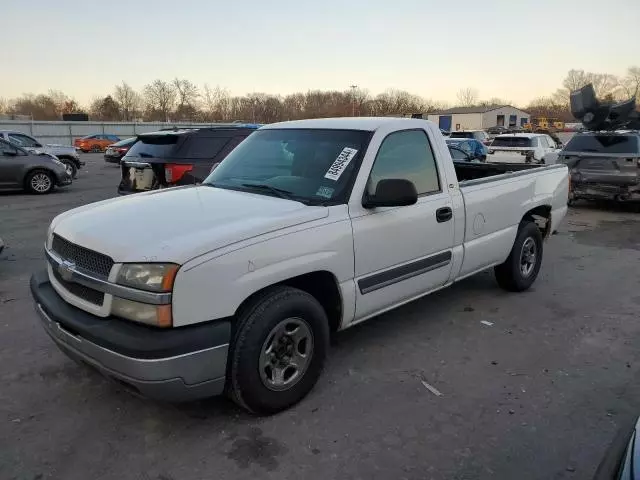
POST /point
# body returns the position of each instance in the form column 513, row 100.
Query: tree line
column 182, row 100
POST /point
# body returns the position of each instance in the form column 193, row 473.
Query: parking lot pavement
column 536, row 393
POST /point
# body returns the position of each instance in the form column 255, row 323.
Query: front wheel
column 279, row 347
column 71, row 168
column 521, row 268
column 40, row 182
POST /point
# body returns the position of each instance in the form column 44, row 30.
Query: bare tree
column 605, row 85
column 188, row 95
column 128, row 99
column 467, row 97
column 161, row 98
column 4, row 105
column 217, row 103
column 630, row 83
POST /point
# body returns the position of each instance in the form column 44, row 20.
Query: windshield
column 626, row 144
column 516, row 142
column 313, row 166
column 153, row 146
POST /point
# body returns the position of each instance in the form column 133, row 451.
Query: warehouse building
column 479, row 118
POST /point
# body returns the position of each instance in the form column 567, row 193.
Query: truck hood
column 178, row 224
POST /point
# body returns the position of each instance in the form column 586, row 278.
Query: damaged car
column 603, row 165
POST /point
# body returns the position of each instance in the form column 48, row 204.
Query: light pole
column 353, row 100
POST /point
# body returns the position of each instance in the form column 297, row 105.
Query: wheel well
column 34, row 170
column 323, row 286
column 542, row 217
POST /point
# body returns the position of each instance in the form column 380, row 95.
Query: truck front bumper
column 178, row 364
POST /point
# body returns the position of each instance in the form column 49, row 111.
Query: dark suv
column 173, row 157
column 603, row 165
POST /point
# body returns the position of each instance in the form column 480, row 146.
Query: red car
column 95, row 143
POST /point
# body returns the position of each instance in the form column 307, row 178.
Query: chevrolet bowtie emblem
column 65, row 269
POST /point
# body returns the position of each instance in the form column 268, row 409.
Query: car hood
column 178, row 224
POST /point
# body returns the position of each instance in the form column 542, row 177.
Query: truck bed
column 467, row 171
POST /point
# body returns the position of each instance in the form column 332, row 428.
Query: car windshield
column 153, row 146
column 517, row 142
column 313, row 166
column 625, row 144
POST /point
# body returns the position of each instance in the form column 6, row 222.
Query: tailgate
column 604, row 170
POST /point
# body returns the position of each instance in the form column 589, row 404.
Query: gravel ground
column 538, row 394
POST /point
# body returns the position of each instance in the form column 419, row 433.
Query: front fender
column 215, row 287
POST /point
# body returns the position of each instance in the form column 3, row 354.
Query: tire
column 71, row 167
column 514, row 275
column 40, row 182
column 274, row 321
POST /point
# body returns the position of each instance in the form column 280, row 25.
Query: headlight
column 156, row 315
column 153, row 277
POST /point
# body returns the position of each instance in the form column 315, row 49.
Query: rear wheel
column 40, row 182
column 522, row 266
column 280, row 343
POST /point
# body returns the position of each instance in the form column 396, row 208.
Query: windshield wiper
column 278, row 192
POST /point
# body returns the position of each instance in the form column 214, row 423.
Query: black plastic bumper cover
column 123, row 336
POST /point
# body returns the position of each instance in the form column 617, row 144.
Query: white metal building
column 479, row 118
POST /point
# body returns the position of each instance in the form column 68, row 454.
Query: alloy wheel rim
column 286, row 354
column 40, row 182
column 528, row 257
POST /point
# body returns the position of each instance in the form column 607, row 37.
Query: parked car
column 497, row 130
column 173, row 157
column 37, row 173
column 472, row 148
column 65, row 153
column 511, row 147
column 115, row 152
column 479, row 135
column 603, row 165
column 95, row 143
column 307, row 227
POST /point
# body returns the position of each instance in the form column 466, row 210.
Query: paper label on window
column 340, row 164
column 325, row 192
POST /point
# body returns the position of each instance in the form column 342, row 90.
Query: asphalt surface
column 538, row 393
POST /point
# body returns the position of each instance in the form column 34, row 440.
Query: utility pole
column 353, row 100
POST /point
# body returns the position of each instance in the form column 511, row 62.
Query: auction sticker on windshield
column 340, row 164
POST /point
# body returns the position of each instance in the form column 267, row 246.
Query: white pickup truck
column 306, row 228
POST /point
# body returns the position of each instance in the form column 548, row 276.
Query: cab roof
column 369, row 124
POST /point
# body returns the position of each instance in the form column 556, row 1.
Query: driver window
column 406, row 155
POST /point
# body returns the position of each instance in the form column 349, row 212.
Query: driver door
column 403, row 252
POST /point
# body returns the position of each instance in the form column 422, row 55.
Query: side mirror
column 38, row 145
column 392, row 192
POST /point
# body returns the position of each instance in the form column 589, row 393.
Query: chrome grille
column 92, row 262
column 80, row 291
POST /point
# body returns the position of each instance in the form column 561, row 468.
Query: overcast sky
column 516, row 50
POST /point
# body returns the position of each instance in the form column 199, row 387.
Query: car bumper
column 112, row 159
column 63, row 179
column 604, row 192
column 169, row 365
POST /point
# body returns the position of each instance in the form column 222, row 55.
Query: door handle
column 444, row 214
